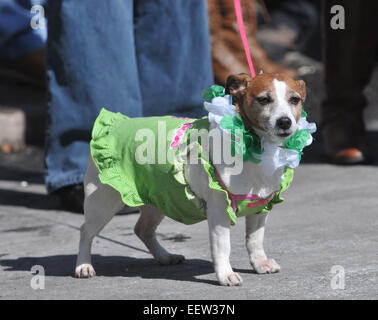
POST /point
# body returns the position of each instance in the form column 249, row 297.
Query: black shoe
column 71, row 198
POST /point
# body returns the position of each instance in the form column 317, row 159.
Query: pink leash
column 239, row 18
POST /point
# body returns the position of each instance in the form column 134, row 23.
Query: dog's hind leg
column 101, row 203
column 145, row 229
column 255, row 227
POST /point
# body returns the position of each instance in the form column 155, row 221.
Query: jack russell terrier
column 123, row 169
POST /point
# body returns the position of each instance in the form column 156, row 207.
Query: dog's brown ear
column 236, row 86
column 302, row 89
column 237, row 83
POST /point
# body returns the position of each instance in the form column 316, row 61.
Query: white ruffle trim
column 274, row 156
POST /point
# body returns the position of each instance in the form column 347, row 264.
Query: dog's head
column 269, row 104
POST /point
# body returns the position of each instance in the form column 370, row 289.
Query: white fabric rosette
column 219, row 107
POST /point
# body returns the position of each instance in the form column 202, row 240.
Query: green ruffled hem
column 179, row 175
column 285, row 184
column 215, row 184
column 106, row 161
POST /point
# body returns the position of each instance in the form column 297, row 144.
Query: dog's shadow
column 115, row 266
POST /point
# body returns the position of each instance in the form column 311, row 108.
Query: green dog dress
column 119, row 150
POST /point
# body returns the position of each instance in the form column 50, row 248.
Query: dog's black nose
column 284, row 123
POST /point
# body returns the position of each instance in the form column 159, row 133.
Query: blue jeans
column 17, row 38
column 140, row 58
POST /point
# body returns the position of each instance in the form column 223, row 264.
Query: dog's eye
column 264, row 100
column 294, row 100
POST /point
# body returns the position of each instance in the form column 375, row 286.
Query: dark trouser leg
column 349, row 58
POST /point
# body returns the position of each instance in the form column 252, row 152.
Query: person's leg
column 17, row 37
column 22, row 48
column 91, row 64
column 349, row 58
column 173, row 53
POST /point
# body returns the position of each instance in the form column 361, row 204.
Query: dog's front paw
column 231, row 279
column 265, row 266
column 85, row 270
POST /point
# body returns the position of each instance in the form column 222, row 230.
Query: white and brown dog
column 270, row 105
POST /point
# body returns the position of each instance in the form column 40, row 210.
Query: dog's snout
column 284, row 123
